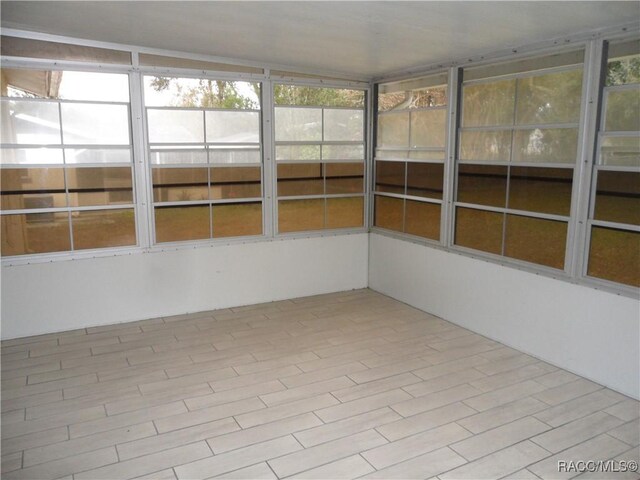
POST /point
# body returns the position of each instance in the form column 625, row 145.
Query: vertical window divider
column 454, row 139
column 369, row 162
column 64, row 174
column 446, row 220
column 269, row 166
column 323, row 170
column 514, row 122
column 209, row 167
column 578, row 235
column 142, row 179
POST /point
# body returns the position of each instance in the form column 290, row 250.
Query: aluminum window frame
column 150, row 167
column 366, row 143
column 444, row 202
column 50, row 65
column 597, row 166
column 144, row 197
column 514, row 127
column 577, row 242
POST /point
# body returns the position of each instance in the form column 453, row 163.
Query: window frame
column 49, row 65
column 149, row 166
column 451, row 76
column 595, row 166
column 366, row 142
column 587, row 147
column 593, row 42
column 138, row 136
column 513, row 128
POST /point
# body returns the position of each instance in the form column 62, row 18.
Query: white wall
column 64, row 295
column 586, row 331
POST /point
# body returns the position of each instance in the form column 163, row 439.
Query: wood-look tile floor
column 345, row 385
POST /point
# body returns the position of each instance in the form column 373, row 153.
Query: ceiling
column 363, row 39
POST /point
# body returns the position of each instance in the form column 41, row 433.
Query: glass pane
column 237, row 219
column 482, row 184
column 99, row 186
column 623, row 70
column 300, row 215
column 32, row 188
column 393, row 130
column 30, row 156
column 234, row 155
column 419, row 98
column 175, row 224
column 615, row 255
column 545, row 190
column 200, row 92
column 298, row 124
column 175, row 126
column 426, row 155
column 103, row 228
column 479, row 230
column 92, row 86
column 551, row 98
column 389, row 213
column 312, row 96
column 422, row 219
column 485, row 146
column 390, row 177
column 180, row 184
column 428, row 128
column 618, row 197
column 30, row 122
column 621, row 151
column 549, row 145
column 168, row 157
column 235, row 182
column 298, row 152
column 341, row 125
column 35, row 233
column 300, row 179
column 345, row 212
column 536, row 240
column 104, row 155
column 623, row 110
column 233, row 127
column 488, row 104
column 425, row 179
column 391, row 154
column 344, row 178
column 95, row 124
column 343, row 152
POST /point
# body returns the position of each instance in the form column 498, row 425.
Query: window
column 320, row 153
column 410, row 156
column 614, row 216
column 205, row 157
column 517, row 151
column 67, row 168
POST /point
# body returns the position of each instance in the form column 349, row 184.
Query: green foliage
column 207, row 93
column 314, row 96
column 622, row 71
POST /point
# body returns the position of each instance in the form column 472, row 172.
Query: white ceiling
column 366, row 39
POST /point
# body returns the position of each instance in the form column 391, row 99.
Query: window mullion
column 144, row 205
column 577, row 244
